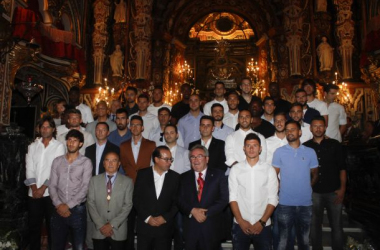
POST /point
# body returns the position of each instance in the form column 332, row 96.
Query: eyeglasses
column 193, row 157
column 161, row 137
column 167, row 159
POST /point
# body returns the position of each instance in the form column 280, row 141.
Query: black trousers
column 108, row 244
column 149, row 242
column 39, row 209
column 131, row 224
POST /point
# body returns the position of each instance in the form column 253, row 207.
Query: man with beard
column 295, row 163
column 182, row 107
column 131, row 106
column 101, row 112
column 279, row 138
column 268, row 107
column 330, row 188
column 310, row 88
column 221, row 131
column 231, row 117
column 158, row 95
column 246, row 94
column 296, row 114
column 258, row 124
column 219, row 92
column 308, row 113
column 281, row 104
column 122, row 133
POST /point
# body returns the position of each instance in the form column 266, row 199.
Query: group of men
column 183, row 174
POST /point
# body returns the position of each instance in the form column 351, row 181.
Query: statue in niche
column 325, row 55
column 117, row 61
column 321, row 6
column 120, row 12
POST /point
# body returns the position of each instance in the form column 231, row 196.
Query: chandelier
column 29, row 89
column 343, row 96
column 106, row 93
column 258, row 86
column 186, row 72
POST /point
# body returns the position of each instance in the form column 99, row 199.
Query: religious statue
column 325, row 55
column 117, row 61
column 120, row 12
column 321, row 6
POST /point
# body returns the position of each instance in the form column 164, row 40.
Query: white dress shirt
column 88, row 140
column 206, row 144
column 154, row 110
column 38, row 162
column 158, row 183
column 150, row 122
column 306, row 133
column 319, row 105
column 337, row 117
column 253, row 188
column 231, row 120
column 271, row 120
column 235, row 143
column 135, row 149
column 207, row 107
column 155, row 135
column 86, row 113
column 61, row 129
column 98, row 156
column 181, row 162
column 274, row 143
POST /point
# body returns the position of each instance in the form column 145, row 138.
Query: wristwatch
column 263, row 223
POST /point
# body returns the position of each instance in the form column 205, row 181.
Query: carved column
column 293, row 29
column 100, row 37
column 273, row 60
column 143, row 37
column 345, row 33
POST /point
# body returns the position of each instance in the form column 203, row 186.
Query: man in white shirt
column 158, row 95
column 219, row 92
column 296, row 114
column 279, row 137
column 101, row 112
column 337, row 115
column 39, row 158
column 231, row 117
column 268, row 107
column 310, row 88
column 85, row 110
column 235, row 141
column 74, row 121
column 221, row 130
column 253, row 188
column 157, row 134
column 150, row 120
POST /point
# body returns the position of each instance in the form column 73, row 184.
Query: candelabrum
column 186, row 72
column 258, row 86
column 343, row 96
column 106, row 93
column 29, row 89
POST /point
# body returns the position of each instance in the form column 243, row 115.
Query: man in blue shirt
column 122, row 133
column 295, row 162
column 188, row 125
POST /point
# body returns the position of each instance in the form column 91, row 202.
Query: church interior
column 105, row 46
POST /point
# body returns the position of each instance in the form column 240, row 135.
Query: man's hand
column 63, row 210
column 106, row 230
column 245, row 226
column 256, row 228
column 160, row 220
column 339, row 196
column 199, row 214
column 153, row 222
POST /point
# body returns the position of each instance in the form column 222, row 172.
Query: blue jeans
column 276, row 233
column 60, row 227
column 294, row 216
column 334, row 213
column 241, row 241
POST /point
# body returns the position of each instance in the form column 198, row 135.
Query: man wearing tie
column 203, row 195
column 109, row 202
column 155, row 199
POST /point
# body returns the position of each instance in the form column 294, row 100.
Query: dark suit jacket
column 147, row 204
column 214, row 198
column 217, row 157
column 91, row 153
column 143, row 159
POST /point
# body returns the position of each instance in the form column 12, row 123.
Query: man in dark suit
column 96, row 153
column 203, row 195
column 135, row 154
column 215, row 147
column 155, row 199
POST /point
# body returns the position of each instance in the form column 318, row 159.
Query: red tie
column 201, row 182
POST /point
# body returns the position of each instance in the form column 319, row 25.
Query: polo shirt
column 295, row 165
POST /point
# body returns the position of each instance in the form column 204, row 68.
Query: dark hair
column 157, row 152
column 143, row 96
column 274, row 83
column 122, row 110
column 280, row 113
column 245, row 78
column 164, row 109
column 296, row 104
column 233, row 93
column 76, row 134
column 132, row 89
column 267, row 98
column 207, row 117
column 293, row 122
column 300, row 90
column 55, row 111
column 137, row 117
column 220, row 82
column 328, row 87
column 74, row 89
column 217, row 105
column 310, row 82
column 318, row 118
column 74, row 111
column 159, row 87
column 50, row 120
column 173, row 126
column 252, row 136
column 246, row 111
column 103, row 123
column 185, row 85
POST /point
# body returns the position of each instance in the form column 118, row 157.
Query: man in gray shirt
column 69, row 181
